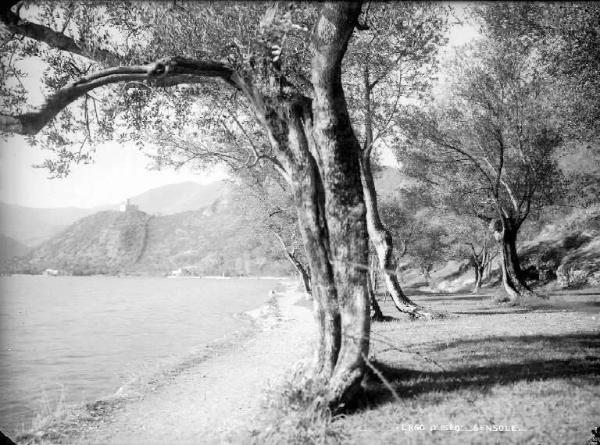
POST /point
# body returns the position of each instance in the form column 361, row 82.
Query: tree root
column 420, row 313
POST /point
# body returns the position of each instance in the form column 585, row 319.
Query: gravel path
column 209, row 402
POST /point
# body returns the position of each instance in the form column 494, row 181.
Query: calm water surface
column 82, row 338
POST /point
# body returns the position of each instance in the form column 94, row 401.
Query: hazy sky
column 117, row 173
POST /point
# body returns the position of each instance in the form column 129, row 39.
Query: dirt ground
column 208, row 402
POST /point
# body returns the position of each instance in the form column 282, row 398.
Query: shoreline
column 80, row 423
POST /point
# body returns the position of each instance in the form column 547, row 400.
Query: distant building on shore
column 128, row 207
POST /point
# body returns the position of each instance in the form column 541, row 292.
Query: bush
column 294, row 413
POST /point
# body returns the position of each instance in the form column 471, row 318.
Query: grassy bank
column 487, row 374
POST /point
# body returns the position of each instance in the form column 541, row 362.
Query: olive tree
column 160, row 61
column 266, row 200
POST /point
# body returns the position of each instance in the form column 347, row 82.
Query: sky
column 118, row 172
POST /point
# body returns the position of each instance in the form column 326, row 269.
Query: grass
column 489, row 374
column 59, row 422
column 295, row 406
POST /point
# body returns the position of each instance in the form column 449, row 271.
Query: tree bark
column 478, row 277
column 505, row 232
column 376, row 314
column 378, row 233
column 338, row 158
column 382, row 241
column 309, row 197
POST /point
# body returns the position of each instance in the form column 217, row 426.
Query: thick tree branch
column 166, row 72
column 53, row 38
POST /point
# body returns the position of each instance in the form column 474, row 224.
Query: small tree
column 266, row 200
column 470, row 240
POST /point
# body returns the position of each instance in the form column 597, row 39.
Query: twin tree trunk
column 317, row 152
column 324, row 173
column 478, row 269
column 480, row 262
column 505, row 232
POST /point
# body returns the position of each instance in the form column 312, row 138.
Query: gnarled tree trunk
column 309, row 198
column 478, row 270
column 378, row 234
column 382, row 241
column 337, row 154
column 505, row 232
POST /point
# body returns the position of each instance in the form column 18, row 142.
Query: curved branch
column 55, row 39
column 166, row 72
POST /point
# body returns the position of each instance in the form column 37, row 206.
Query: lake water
column 82, row 338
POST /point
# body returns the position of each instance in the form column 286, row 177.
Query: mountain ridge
column 31, row 226
column 213, row 240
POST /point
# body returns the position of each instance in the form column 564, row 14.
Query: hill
column 566, row 251
column 10, row 248
column 31, row 226
column 215, row 240
column 104, row 242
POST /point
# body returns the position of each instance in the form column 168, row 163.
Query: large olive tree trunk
column 505, row 232
column 318, row 154
column 337, row 154
column 310, row 199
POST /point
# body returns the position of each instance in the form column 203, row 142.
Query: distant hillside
column 32, row 226
column 212, row 241
column 186, row 226
column 104, row 242
column 10, row 248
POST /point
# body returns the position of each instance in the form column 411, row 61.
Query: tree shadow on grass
column 385, row 319
column 492, row 312
column 480, row 373
column 572, row 293
column 451, row 297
